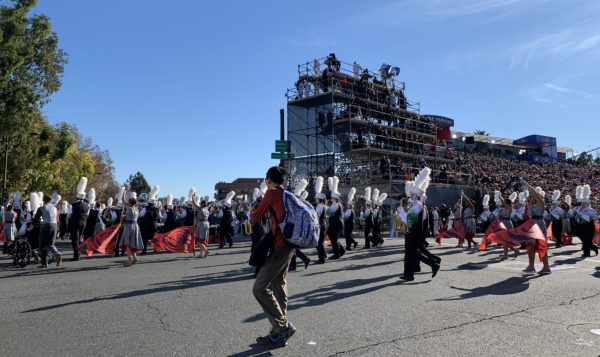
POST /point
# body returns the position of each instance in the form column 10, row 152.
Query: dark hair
column 132, row 201
column 9, row 208
column 276, row 174
column 47, row 198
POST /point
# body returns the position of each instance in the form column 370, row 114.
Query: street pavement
column 177, row 305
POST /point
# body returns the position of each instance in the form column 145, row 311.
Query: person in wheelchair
column 48, row 214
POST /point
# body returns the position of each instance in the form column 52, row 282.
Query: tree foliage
column 31, row 65
column 481, row 132
column 137, row 183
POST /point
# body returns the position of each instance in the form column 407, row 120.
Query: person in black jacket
column 77, row 217
column 226, row 219
column 148, row 223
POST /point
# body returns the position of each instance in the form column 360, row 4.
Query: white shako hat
column 540, row 192
column 91, row 196
column 381, row 198
column 191, row 193
column 81, row 188
column 486, row 201
column 119, row 196
column 228, row 198
column 109, row 202
column 333, row 183
column 255, row 194
column 56, row 198
column 263, row 188
column 153, row 194
column 375, row 196
column 423, row 198
column 300, row 187
column 555, row 197
column 568, row 200
column 523, row 197
column 28, row 206
column 351, row 195
column 421, row 182
column 304, row 195
column 579, row 193
column 513, row 197
column 17, row 199
column 65, row 206
column 367, row 195
column 408, row 186
column 169, row 201
column 35, row 201
column 319, row 188
column 587, row 192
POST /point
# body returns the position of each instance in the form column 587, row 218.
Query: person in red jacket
column 270, row 287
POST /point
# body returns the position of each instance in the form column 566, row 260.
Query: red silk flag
column 1, row 235
column 178, row 240
column 596, row 239
column 528, row 232
column 566, row 239
column 104, row 242
column 495, row 227
column 457, row 231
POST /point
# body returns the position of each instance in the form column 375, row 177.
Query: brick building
column 241, row 186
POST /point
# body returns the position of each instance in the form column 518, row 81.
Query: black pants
column 225, row 235
column 557, row 231
column 300, row 255
column 368, row 238
column 47, row 238
column 147, row 234
column 75, row 232
column 586, row 234
column 348, row 235
column 411, row 255
column 334, row 234
column 320, row 247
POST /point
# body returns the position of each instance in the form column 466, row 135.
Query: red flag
column 104, row 242
column 596, row 239
column 178, row 240
column 1, row 235
column 457, row 231
column 565, row 237
column 528, row 232
column 495, row 227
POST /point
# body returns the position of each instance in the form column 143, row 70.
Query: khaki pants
column 270, row 287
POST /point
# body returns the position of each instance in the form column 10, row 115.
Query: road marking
column 596, row 331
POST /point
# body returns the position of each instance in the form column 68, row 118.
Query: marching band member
column 349, row 221
column 556, row 216
column 585, row 216
column 320, row 208
column 334, row 212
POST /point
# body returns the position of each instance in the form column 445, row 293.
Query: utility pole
column 4, row 189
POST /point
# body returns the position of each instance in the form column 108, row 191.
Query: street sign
column 282, row 156
column 282, row 145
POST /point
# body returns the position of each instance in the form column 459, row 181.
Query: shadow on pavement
column 513, row 285
column 254, row 351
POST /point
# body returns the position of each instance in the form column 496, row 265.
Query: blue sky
column 189, row 92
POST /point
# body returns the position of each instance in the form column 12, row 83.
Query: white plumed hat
column 35, row 201
column 119, row 196
column 92, row 196
column 422, row 182
column 587, row 192
column 319, row 188
column 255, row 194
column 486, row 201
column 228, row 198
column 497, row 198
column 27, row 206
column 301, row 186
column 109, row 202
column 375, row 196
column 381, row 198
column 408, row 186
column 191, row 193
column 56, row 198
column 81, row 185
column 579, row 193
column 263, row 188
column 555, row 196
column 65, row 206
column 523, row 197
column 304, row 195
column 153, row 194
column 333, row 187
column 568, row 200
column 367, row 195
column 513, row 196
column 351, row 196
column 169, row 201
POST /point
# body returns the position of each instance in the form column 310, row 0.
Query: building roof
column 502, row 141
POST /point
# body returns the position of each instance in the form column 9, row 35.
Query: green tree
column 31, row 66
column 481, row 132
column 138, row 183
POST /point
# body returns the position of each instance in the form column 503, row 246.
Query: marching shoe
column 306, row 263
column 434, row 270
column 407, row 278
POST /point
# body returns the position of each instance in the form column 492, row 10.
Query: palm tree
column 481, row 132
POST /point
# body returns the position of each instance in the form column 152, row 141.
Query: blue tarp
column 535, row 140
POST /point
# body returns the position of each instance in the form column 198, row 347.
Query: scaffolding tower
column 357, row 124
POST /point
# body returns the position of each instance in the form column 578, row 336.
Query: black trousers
column 75, row 231
column 411, row 255
column 368, row 237
column 586, row 234
column 225, row 235
column 557, row 231
column 300, row 255
column 320, row 247
column 334, row 234
column 47, row 238
column 348, row 235
column 147, row 234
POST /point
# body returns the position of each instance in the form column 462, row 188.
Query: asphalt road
column 176, row 305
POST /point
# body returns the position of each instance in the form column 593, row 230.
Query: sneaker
column 545, row 272
column 529, row 270
column 459, row 246
column 277, row 340
column 264, row 340
column 290, row 330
